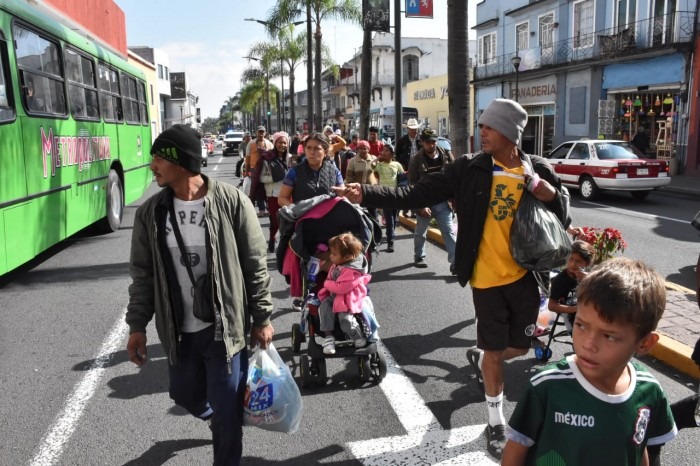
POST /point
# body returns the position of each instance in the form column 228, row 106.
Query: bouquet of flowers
column 606, row 242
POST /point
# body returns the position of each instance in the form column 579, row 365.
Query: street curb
column 673, row 353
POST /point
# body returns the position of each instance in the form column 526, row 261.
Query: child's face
column 575, row 262
column 337, row 258
column 603, row 349
column 386, row 155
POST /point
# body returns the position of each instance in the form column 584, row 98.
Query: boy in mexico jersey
column 597, row 406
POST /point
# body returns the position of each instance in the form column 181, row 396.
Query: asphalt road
column 70, row 397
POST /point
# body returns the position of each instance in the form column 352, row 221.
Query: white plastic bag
column 246, row 185
column 272, row 398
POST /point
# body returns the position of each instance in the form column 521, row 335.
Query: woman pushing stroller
column 344, row 291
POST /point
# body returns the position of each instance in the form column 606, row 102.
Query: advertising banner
column 419, row 8
column 376, row 15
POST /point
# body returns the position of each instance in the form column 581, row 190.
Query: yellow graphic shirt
column 494, row 264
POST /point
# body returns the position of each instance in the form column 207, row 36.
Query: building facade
column 590, row 68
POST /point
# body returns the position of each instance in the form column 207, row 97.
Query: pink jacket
column 350, row 289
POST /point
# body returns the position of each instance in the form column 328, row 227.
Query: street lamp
column 516, row 64
column 181, row 120
column 281, row 125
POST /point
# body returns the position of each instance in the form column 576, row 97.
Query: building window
column 410, row 69
column 583, row 23
column 522, row 36
column 167, row 74
column 626, row 14
column 151, row 86
column 546, row 27
column 160, row 72
column 487, row 49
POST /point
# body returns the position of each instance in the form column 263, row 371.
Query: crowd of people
column 217, row 259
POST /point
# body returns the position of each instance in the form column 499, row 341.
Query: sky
column 209, row 38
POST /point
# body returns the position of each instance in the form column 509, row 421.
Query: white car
column 591, row 165
column 232, row 141
column 205, row 153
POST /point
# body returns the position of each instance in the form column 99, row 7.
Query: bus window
column 40, row 72
column 110, row 100
column 142, row 103
column 82, row 90
column 7, row 113
column 131, row 105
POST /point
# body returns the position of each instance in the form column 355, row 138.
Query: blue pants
column 390, row 220
column 207, row 386
column 443, row 215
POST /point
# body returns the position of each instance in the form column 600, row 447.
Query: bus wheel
column 114, row 204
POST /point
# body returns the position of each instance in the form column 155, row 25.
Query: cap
column 428, row 134
column 261, row 128
column 181, row 145
column 327, row 129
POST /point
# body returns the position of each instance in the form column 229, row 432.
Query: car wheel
column 640, row 194
column 589, row 190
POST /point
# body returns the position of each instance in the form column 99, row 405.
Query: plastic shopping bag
column 538, row 241
column 272, row 398
column 246, row 185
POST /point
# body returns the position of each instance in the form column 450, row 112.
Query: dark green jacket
column 468, row 182
column 237, row 253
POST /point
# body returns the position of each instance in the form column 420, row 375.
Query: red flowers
column 606, row 242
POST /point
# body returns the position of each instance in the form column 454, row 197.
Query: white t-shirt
column 192, row 225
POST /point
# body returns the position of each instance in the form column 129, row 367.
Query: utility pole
column 398, row 94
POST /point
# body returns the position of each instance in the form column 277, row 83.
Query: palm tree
column 458, row 74
column 265, row 54
column 286, row 11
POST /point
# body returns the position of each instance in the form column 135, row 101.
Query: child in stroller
column 343, row 291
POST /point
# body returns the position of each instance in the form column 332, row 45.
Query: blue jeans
column 390, row 220
column 207, row 386
column 443, row 215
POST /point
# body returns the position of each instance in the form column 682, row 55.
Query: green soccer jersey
column 566, row 421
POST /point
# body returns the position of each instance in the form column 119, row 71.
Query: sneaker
column 495, row 440
column 473, row 356
column 453, row 269
column 420, row 263
column 329, row 345
column 360, row 343
column 390, row 246
column 297, row 304
column 271, row 245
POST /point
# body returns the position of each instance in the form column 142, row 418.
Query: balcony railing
column 635, row 38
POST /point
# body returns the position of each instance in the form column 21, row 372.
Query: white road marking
column 55, row 440
column 631, row 213
column 425, row 442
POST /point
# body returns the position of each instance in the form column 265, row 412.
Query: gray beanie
column 505, row 116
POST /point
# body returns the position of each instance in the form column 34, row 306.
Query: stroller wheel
column 541, row 353
column 305, row 369
column 363, row 368
column 297, row 338
column 548, row 354
column 318, row 370
column 377, row 364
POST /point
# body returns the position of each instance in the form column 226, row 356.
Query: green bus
column 74, row 134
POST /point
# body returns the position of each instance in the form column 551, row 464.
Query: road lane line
column 425, row 442
column 632, row 213
column 57, row 437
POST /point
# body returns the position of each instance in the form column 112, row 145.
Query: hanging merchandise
column 637, row 102
column 658, row 101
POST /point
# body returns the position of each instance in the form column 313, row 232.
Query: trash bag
column 272, row 398
column 538, row 241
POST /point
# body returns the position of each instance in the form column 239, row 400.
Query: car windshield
column 615, row 150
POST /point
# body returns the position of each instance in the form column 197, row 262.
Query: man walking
column 431, row 159
column 487, row 190
column 253, row 152
column 409, row 145
column 375, row 145
column 199, row 264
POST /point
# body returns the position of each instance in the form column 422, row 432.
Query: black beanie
column 181, row 145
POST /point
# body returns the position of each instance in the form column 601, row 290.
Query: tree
column 287, row 11
column 458, row 75
column 266, row 55
column 209, row 125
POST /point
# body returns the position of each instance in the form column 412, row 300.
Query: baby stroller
column 556, row 329
column 304, row 227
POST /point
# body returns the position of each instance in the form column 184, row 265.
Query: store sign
column 530, row 92
column 419, row 8
column 430, row 93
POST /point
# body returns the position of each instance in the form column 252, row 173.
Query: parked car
column 444, row 144
column 205, row 153
column 220, row 140
column 232, row 141
column 210, row 145
column 592, row 165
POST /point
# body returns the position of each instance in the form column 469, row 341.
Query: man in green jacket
column 199, row 264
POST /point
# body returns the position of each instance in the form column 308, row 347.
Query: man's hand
column 425, row 212
column 261, row 335
column 351, row 191
column 540, row 188
column 136, row 348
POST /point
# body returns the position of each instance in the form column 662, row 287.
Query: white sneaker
column 329, row 345
column 361, row 343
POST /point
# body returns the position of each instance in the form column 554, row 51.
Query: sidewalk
column 680, row 325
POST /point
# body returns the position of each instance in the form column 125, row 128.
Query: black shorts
column 504, row 313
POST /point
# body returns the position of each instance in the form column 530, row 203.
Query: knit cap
column 280, row 134
column 363, row 143
column 505, row 116
column 181, row 145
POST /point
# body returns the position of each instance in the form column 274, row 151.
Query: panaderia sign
column 535, row 91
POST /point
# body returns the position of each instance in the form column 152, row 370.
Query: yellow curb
column 676, row 355
column 673, row 353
